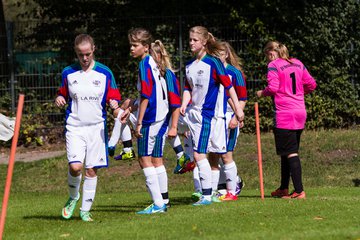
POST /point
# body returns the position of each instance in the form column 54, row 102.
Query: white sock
column 163, row 182
column 222, row 178
column 116, row 132
column 188, row 147
column 89, row 190
column 175, row 143
column 215, row 174
column 231, row 175
column 125, row 133
column 205, row 177
column 196, row 177
column 152, row 184
column 127, row 150
column 74, row 185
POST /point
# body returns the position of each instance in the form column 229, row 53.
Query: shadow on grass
column 57, row 218
column 356, row 182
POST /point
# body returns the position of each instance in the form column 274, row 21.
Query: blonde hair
column 232, row 57
column 79, row 39
column 278, row 47
column 212, row 46
column 140, row 35
column 161, row 56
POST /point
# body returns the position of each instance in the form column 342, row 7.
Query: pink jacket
column 288, row 83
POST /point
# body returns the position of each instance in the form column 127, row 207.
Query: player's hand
column 240, row 115
column 60, row 101
column 138, row 131
column 172, row 133
column 113, row 104
column 233, row 123
column 259, row 93
column 125, row 115
column 182, row 110
column 241, row 124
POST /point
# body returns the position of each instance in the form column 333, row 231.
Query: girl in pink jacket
column 288, row 82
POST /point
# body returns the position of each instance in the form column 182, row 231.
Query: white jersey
column 152, row 86
column 87, row 93
column 203, row 79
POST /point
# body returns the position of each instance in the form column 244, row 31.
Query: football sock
column 222, row 178
column 215, row 174
column 163, row 182
column 126, row 135
column 74, row 185
column 231, row 175
column 188, row 147
column 89, row 190
column 152, row 184
column 127, row 149
column 116, row 132
column 285, row 173
column 196, row 178
column 175, row 143
column 295, row 170
column 205, row 177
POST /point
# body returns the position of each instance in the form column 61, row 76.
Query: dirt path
column 28, row 155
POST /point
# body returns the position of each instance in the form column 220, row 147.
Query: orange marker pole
column 11, row 163
column 259, row 150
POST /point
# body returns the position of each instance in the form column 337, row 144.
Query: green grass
column 331, row 173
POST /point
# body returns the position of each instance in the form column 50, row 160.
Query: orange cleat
column 294, row 194
column 229, row 197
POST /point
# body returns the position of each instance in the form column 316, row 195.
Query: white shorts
column 153, row 139
column 87, row 143
column 200, row 130
column 218, row 136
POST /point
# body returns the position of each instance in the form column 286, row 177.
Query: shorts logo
column 200, row 72
column 101, row 160
column 74, row 82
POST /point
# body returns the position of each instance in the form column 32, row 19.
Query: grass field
column 331, row 174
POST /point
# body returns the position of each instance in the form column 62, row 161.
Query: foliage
column 323, row 34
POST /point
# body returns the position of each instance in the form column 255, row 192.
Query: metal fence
column 37, row 57
column 38, row 51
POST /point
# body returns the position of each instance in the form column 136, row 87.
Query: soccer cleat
column 229, row 197
column 202, row 201
column 86, row 216
column 189, row 167
column 111, row 151
column 69, row 207
column 181, row 163
column 215, row 197
column 280, row 193
column 196, row 196
column 239, row 186
column 294, row 194
column 125, row 155
column 153, row 209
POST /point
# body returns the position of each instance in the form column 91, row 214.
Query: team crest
column 96, row 83
column 200, row 72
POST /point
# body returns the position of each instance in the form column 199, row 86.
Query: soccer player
column 86, row 86
column 204, row 75
column 288, row 81
column 231, row 62
column 153, row 118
